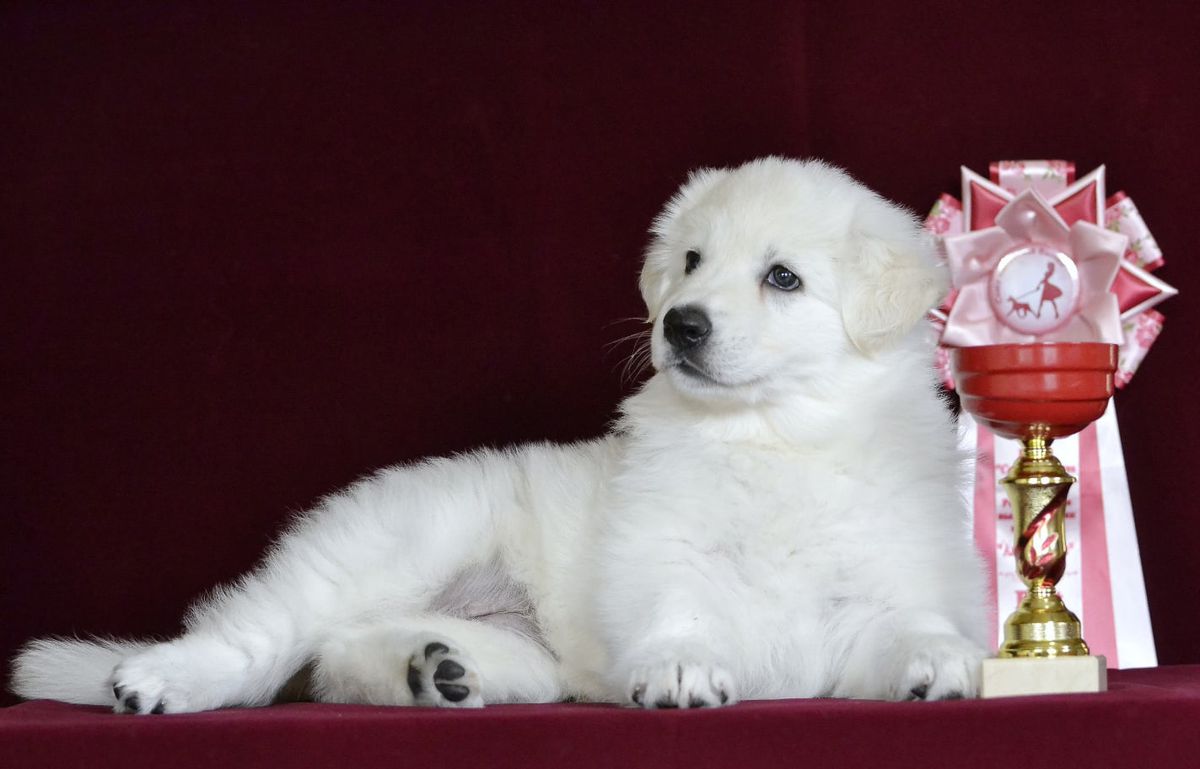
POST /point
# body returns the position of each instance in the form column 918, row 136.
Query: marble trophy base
column 1020, row 676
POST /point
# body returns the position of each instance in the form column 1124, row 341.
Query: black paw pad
column 434, row 648
column 666, row 704
column 919, row 692
column 118, row 691
column 414, row 681
column 637, row 694
column 159, row 709
column 953, row 696
column 696, row 702
column 724, row 697
column 132, row 704
column 453, row 692
column 449, row 670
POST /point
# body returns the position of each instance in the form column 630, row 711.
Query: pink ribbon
column 1099, row 625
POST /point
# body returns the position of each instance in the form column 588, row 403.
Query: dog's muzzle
column 686, row 328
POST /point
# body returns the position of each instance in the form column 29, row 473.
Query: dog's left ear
column 892, row 275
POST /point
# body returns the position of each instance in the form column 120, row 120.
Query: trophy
column 1035, row 393
column 1032, row 337
column 1050, row 275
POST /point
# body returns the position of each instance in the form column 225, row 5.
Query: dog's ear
column 892, row 275
column 664, row 253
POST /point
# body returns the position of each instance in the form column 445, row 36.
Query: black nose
column 686, row 327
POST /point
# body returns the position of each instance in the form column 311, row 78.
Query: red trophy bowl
column 1036, row 393
column 1059, row 388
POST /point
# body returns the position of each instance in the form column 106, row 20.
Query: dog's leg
column 195, row 672
column 666, row 610
column 434, row 661
column 382, row 542
column 909, row 656
column 240, row 649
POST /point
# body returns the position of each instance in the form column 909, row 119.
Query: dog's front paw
column 680, row 685
column 938, row 667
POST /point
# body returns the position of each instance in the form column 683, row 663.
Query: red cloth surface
column 1147, row 719
column 249, row 253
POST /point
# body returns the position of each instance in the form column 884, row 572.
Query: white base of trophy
column 1017, row 677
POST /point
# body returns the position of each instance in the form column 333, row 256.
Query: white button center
column 1035, row 289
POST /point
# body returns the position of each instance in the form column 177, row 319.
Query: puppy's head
column 760, row 277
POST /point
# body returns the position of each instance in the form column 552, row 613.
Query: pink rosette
column 997, row 299
column 1001, row 299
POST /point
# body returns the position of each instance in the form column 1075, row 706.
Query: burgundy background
column 248, row 255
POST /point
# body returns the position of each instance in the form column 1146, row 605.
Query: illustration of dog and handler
column 1050, row 293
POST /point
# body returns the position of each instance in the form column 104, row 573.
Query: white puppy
column 776, row 514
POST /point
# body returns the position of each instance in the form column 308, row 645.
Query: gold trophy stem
column 1037, row 487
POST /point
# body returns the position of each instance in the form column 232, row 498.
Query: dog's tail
column 70, row 669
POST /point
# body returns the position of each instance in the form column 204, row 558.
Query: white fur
column 785, row 525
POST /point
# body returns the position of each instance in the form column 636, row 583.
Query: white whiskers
column 638, row 360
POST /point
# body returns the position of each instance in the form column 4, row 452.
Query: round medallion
column 1034, row 289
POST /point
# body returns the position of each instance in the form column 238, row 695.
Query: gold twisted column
column 1037, row 487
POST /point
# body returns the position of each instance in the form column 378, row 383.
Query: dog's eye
column 692, row 262
column 784, row 279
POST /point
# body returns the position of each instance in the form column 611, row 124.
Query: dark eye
column 784, row 279
column 693, row 261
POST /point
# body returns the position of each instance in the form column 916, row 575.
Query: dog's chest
column 776, row 516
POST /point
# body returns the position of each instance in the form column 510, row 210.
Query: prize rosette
column 1040, row 257
column 1036, row 254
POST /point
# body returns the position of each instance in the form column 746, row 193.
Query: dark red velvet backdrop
column 248, row 255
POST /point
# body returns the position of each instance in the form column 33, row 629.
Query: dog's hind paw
column 186, row 675
column 150, row 683
column 441, row 676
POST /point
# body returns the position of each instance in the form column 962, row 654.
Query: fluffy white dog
column 776, row 514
